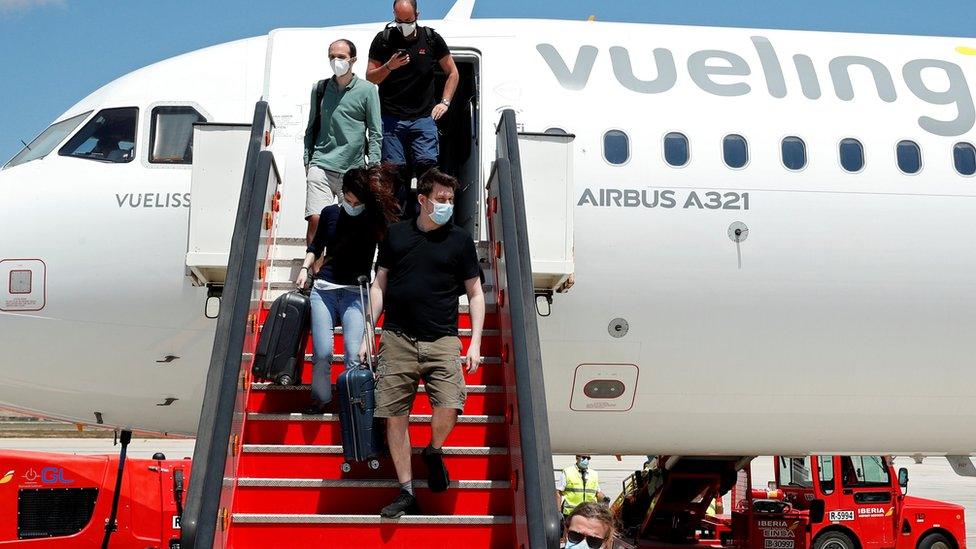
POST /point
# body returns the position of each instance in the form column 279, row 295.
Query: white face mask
column 340, row 66
column 407, row 28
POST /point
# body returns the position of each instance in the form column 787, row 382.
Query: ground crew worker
column 577, row 484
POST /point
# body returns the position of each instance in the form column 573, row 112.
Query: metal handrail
column 221, row 413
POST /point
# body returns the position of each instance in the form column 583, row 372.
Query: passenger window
column 108, row 137
column 736, row 151
column 616, row 147
column 794, row 153
column 171, row 135
column 826, row 476
column 50, row 138
column 864, row 471
column 909, row 157
column 851, row 155
column 964, row 155
column 676, row 149
column 795, row 472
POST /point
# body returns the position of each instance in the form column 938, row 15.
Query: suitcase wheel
column 346, row 467
column 284, row 379
column 374, row 464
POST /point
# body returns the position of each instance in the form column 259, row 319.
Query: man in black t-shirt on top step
column 402, row 60
column 423, row 266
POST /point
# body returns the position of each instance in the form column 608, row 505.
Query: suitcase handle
column 368, row 335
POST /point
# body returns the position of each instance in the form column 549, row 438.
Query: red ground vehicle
column 58, row 501
column 818, row 502
column 865, row 505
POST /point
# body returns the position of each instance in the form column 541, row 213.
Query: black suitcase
column 281, row 346
column 356, row 394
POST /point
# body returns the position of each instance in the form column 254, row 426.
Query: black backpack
column 317, row 105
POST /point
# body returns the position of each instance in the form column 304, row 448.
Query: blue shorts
column 419, row 136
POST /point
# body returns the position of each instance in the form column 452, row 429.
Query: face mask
column 353, row 210
column 584, row 463
column 406, row 29
column 340, row 66
column 581, row 545
column 442, row 213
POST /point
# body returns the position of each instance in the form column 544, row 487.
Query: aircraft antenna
column 461, row 11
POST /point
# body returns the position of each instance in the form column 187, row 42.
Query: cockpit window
column 50, row 138
column 171, row 136
column 110, row 136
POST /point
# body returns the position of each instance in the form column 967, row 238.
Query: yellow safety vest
column 575, row 492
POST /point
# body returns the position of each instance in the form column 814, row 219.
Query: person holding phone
column 402, row 61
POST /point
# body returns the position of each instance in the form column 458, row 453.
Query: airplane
column 773, row 231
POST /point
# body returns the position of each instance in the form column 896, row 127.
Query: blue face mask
column 584, row 463
column 353, row 210
column 442, row 212
column 581, row 545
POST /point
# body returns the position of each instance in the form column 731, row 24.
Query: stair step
column 314, row 461
column 367, row 483
column 264, row 531
column 471, row 430
column 334, row 418
column 248, row 518
column 357, row 496
column 490, row 372
column 271, row 398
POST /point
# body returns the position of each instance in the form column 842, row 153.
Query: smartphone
column 400, row 52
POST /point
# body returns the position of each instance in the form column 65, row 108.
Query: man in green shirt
column 344, row 131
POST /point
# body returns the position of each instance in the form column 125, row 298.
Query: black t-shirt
column 408, row 92
column 349, row 245
column 426, row 275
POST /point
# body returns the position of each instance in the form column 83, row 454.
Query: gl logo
column 54, row 475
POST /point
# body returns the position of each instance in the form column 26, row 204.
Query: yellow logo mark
column 966, row 51
column 7, row 478
column 890, row 512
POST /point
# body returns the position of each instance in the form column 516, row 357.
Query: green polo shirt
column 350, row 118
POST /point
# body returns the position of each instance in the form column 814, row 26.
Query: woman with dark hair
column 347, row 234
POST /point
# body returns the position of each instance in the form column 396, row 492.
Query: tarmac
column 933, row 478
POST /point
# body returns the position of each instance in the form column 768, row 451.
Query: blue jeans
column 329, row 307
column 419, row 136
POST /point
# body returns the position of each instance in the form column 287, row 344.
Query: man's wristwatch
column 446, row 102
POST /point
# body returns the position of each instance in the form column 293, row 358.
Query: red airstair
column 267, row 476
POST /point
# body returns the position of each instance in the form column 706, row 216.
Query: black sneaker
column 405, row 503
column 437, row 477
column 314, row 410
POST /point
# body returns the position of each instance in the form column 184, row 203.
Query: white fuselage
column 843, row 323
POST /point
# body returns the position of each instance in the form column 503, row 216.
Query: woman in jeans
column 348, row 235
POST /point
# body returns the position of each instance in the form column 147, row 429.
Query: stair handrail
column 222, row 411
column 534, row 449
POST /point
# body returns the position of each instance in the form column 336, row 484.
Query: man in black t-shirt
column 424, row 265
column 402, row 60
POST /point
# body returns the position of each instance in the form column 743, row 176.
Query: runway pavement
column 933, row 478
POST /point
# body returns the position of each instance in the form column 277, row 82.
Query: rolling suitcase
column 281, row 346
column 355, row 391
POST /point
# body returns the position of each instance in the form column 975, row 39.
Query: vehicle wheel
column 284, row 379
column 936, row 541
column 346, row 467
column 374, row 464
column 834, row 540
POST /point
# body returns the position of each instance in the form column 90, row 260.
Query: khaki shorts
column 323, row 186
column 404, row 361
